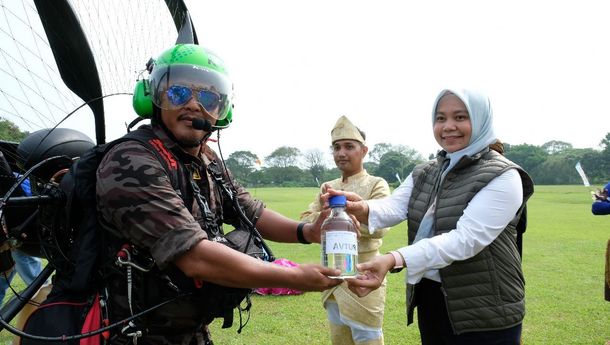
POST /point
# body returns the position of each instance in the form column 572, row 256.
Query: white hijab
column 481, row 120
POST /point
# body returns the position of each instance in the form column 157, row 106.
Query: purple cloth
column 280, row 291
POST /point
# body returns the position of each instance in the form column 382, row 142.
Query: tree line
column 552, row 163
column 289, row 167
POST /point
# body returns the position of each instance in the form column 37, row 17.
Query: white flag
column 581, row 172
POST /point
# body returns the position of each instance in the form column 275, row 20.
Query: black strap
column 521, row 227
column 211, row 227
column 231, row 194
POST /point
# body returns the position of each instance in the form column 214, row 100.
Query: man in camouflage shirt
column 137, row 202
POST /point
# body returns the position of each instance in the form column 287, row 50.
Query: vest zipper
column 447, row 308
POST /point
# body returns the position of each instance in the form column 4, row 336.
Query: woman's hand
column 372, row 274
column 355, row 205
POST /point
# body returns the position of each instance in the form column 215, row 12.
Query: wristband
column 300, row 235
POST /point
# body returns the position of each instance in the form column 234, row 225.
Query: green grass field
column 563, row 262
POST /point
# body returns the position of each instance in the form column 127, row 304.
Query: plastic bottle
column 339, row 240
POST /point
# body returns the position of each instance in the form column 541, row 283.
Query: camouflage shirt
column 136, row 198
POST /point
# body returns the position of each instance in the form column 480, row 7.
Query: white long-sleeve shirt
column 487, row 214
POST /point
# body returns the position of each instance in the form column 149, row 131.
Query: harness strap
column 230, row 193
column 210, row 224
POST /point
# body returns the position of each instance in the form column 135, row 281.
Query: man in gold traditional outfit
column 354, row 320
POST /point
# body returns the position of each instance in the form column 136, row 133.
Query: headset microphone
column 203, row 125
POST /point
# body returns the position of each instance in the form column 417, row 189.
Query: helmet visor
column 173, row 86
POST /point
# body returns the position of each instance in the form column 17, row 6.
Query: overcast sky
column 299, row 65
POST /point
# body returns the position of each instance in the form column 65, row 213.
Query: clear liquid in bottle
column 339, row 240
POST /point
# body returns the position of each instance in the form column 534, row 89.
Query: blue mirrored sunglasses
column 179, row 95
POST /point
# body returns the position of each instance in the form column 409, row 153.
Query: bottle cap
column 337, row 200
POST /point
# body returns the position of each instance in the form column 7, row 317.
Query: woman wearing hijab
column 463, row 269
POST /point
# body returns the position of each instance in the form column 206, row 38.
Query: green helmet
column 183, row 72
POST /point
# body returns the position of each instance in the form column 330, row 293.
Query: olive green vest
column 487, row 291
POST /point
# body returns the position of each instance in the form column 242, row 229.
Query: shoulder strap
column 147, row 137
column 80, row 183
column 174, row 168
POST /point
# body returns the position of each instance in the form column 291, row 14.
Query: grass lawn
column 563, row 262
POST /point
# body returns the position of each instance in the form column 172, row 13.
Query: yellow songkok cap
column 345, row 130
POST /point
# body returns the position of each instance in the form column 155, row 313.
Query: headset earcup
column 142, row 100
